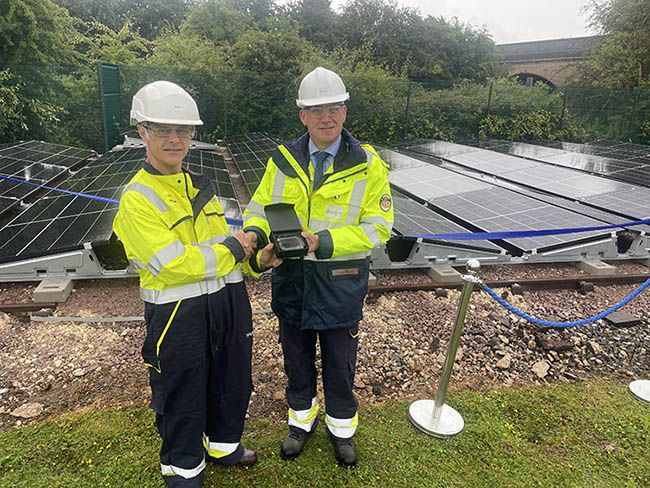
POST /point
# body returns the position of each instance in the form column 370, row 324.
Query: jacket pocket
column 336, row 294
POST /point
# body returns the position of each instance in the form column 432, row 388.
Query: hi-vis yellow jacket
column 175, row 235
column 351, row 212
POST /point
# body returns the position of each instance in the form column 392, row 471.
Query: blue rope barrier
column 467, row 236
column 565, row 325
column 235, row 222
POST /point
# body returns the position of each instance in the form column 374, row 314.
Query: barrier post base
column 641, row 390
column 449, row 424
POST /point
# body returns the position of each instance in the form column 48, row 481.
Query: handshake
column 268, row 258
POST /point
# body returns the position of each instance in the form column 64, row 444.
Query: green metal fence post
column 110, row 94
column 489, row 101
column 566, row 94
column 406, row 111
column 631, row 130
column 225, row 108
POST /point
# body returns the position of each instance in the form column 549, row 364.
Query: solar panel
column 618, row 197
column 625, row 162
column 58, row 222
column 36, row 162
column 483, row 206
column 251, row 152
column 413, row 218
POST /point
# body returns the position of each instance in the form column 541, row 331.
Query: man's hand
column 252, row 237
column 312, row 240
column 246, row 243
column 268, row 259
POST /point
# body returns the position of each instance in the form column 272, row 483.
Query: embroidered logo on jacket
column 385, row 202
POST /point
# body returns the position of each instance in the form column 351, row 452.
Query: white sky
column 509, row 20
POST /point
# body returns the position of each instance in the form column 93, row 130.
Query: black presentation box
column 285, row 231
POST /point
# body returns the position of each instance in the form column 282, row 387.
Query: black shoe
column 293, row 445
column 344, row 450
column 248, row 459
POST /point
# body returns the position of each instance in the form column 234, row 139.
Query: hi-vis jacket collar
column 199, row 181
column 350, row 153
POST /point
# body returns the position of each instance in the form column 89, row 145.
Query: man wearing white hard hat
column 340, row 192
column 198, row 344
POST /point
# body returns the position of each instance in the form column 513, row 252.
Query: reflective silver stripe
column 235, row 276
column 164, row 256
column 343, row 428
column 348, row 257
column 219, row 449
column 171, row 470
column 210, row 258
column 255, row 209
column 278, row 186
column 182, row 292
column 213, row 240
column 372, row 233
column 369, row 155
column 136, row 264
column 354, row 205
column 317, row 224
column 377, row 219
column 149, row 194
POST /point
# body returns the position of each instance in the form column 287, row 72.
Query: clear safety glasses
column 182, row 131
column 321, row 110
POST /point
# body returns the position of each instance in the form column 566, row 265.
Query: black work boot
column 293, row 445
column 346, row 455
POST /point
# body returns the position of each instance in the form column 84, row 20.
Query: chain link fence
column 62, row 105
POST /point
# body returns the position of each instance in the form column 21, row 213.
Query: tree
column 317, row 22
column 218, row 21
column 35, row 31
column 623, row 58
column 147, row 17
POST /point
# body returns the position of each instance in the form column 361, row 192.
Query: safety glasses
column 321, row 110
column 182, row 131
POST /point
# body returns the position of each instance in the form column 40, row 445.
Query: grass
column 591, row 434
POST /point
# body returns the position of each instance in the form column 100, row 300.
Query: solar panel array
column 624, row 199
column 483, row 206
column 36, row 162
column 59, row 222
column 620, row 161
column 251, row 152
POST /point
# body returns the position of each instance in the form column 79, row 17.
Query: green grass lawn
column 582, row 435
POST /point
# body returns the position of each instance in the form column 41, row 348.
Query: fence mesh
column 62, row 104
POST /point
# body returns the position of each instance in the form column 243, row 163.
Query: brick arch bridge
column 554, row 61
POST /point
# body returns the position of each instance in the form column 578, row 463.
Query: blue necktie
column 318, row 158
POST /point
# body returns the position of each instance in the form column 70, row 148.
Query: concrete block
column 622, row 319
column 53, row 290
column 445, row 275
column 597, row 268
column 372, row 280
column 645, row 262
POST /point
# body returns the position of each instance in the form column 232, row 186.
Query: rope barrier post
column 640, row 389
column 435, row 418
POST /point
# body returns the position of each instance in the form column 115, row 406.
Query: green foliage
column 21, row 115
column 147, row 17
column 585, row 434
column 623, row 58
column 35, row 31
column 217, row 21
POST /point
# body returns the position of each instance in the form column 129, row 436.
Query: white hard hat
column 163, row 102
column 319, row 87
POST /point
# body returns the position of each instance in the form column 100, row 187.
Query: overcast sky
column 509, row 20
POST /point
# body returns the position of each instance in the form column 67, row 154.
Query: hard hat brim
column 137, row 120
column 312, row 102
